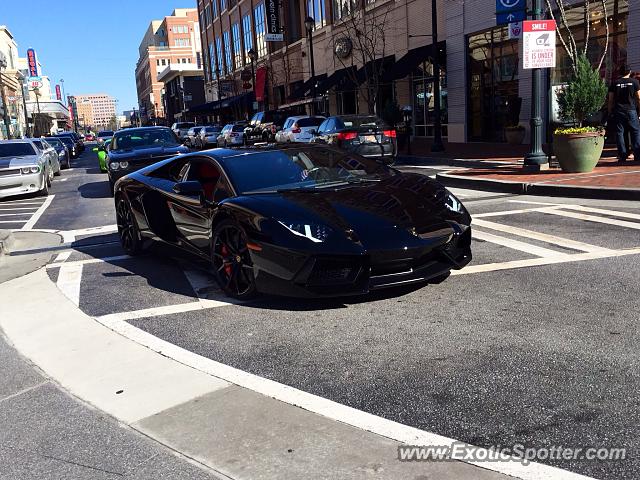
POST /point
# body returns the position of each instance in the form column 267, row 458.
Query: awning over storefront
column 384, row 65
column 306, row 88
column 211, row 107
column 412, row 59
column 340, row 78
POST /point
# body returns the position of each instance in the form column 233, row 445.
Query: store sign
column 539, row 44
column 58, row 93
column 32, row 63
column 515, row 30
column 34, row 82
column 274, row 30
column 510, row 11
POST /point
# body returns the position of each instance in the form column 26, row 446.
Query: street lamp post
column 309, row 24
column 437, row 145
column 536, row 158
column 5, row 105
column 253, row 56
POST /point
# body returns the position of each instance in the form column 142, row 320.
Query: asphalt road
column 543, row 354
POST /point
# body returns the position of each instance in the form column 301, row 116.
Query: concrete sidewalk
column 80, row 409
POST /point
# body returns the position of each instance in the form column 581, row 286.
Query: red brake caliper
column 224, row 251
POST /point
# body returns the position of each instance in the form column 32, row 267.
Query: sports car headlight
column 114, row 166
column 124, row 165
column 452, row 203
column 313, row 231
column 34, row 169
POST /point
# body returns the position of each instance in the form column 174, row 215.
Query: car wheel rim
column 231, row 260
column 126, row 227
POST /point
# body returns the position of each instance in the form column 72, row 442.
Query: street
column 535, row 342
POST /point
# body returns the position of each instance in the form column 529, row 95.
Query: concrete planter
column 514, row 135
column 578, row 152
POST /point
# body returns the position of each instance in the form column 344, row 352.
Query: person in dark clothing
column 624, row 110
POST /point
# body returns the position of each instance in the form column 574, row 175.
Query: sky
column 93, row 46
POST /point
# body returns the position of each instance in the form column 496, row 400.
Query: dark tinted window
column 153, row 137
column 310, row 122
column 323, row 126
column 356, row 122
column 38, row 144
column 54, row 142
column 184, row 125
column 299, row 168
column 238, row 128
column 105, row 133
column 67, row 141
column 17, row 149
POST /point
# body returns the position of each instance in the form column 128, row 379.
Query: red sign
column 539, row 26
column 32, row 62
column 261, row 80
column 58, row 93
column 539, row 44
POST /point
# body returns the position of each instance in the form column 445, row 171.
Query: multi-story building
column 370, row 54
column 11, row 80
column 175, row 40
column 95, row 110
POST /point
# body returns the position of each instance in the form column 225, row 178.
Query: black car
column 299, row 220
column 135, row 148
column 264, row 125
column 72, row 147
column 77, row 140
column 366, row 135
column 64, row 155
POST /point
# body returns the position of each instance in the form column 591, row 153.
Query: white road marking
column 612, row 213
column 17, row 208
column 91, row 260
column 64, row 179
column 13, row 221
column 513, row 212
column 14, row 214
column 534, row 203
column 536, row 262
column 36, row 216
column 325, row 407
column 592, row 218
column 19, row 203
column 69, row 280
column 201, row 304
column 92, row 230
column 543, row 237
column 63, row 256
column 517, row 245
column 463, row 193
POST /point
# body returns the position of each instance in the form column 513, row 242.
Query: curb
column 407, row 160
column 542, row 189
column 6, row 241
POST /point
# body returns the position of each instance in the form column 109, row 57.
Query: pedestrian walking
column 624, row 110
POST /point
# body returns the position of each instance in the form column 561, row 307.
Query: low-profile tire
column 231, row 261
column 440, row 278
column 127, row 227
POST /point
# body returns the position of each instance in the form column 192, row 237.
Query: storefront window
column 423, row 100
column 493, row 101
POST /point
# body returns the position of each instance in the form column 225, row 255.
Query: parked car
column 89, row 137
column 208, row 136
column 64, row 156
column 71, row 146
column 366, row 135
column 264, row 125
column 104, row 135
column 298, row 129
column 231, row 135
column 298, row 220
column 181, row 129
column 190, row 137
column 134, row 148
column 23, row 169
column 76, row 140
column 49, row 153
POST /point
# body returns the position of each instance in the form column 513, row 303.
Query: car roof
column 143, row 129
column 17, row 140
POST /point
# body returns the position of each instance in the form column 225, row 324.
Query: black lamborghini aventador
column 303, row 220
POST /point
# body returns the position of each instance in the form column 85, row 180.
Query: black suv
column 264, row 125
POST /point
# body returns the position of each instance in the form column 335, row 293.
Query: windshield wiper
column 355, row 179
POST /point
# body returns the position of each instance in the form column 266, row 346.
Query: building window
column 219, row 55
column 207, row 14
column 158, row 62
column 214, row 8
column 227, row 51
column 223, row 5
column 261, row 42
column 343, row 8
column 202, row 20
column 317, row 10
column 181, row 42
column 248, row 37
column 237, row 46
column 198, row 60
column 212, row 62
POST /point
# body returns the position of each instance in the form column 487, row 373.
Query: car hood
column 25, row 161
column 396, row 208
column 146, row 153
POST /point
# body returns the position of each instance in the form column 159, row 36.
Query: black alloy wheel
column 231, row 261
column 127, row 227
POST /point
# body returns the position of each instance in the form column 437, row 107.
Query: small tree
column 584, row 95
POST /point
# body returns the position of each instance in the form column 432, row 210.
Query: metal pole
column 253, row 79
column 437, row 145
column 35, row 124
column 536, row 157
column 313, row 73
column 5, row 107
column 26, row 113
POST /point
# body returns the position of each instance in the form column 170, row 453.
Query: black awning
column 204, row 108
column 341, row 79
column 243, row 98
column 306, row 88
column 378, row 65
column 413, row 58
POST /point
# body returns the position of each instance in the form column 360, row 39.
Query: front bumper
column 21, row 184
column 281, row 272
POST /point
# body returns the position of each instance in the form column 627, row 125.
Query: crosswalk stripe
column 516, row 245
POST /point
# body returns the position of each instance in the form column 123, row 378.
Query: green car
column 101, row 150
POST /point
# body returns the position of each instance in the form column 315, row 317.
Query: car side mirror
column 190, row 188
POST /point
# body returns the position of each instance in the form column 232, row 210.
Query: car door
column 320, row 132
column 52, row 155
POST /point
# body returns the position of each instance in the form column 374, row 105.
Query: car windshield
column 301, row 169
column 156, row 137
column 105, row 134
column 54, row 142
column 66, row 140
column 16, row 149
column 38, row 144
column 184, row 125
column 212, row 129
column 355, row 122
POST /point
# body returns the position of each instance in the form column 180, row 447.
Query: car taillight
column 295, row 128
column 389, row 133
column 347, row 136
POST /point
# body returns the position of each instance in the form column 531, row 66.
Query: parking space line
column 593, row 218
column 69, row 280
column 87, row 261
column 36, row 216
column 543, row 237
column 516, row 245
column 13, row 221
column 514, row 212
column 612, row 213
column 17, row 208
column 14, row 214
column 10, row 204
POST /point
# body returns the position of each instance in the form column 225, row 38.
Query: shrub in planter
column 514, row 135
column 579, row 149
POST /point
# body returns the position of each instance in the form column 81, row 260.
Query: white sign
column 515, row 30
column 539, row 44
column 35, row 82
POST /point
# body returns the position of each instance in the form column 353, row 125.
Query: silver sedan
column 24, row 168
